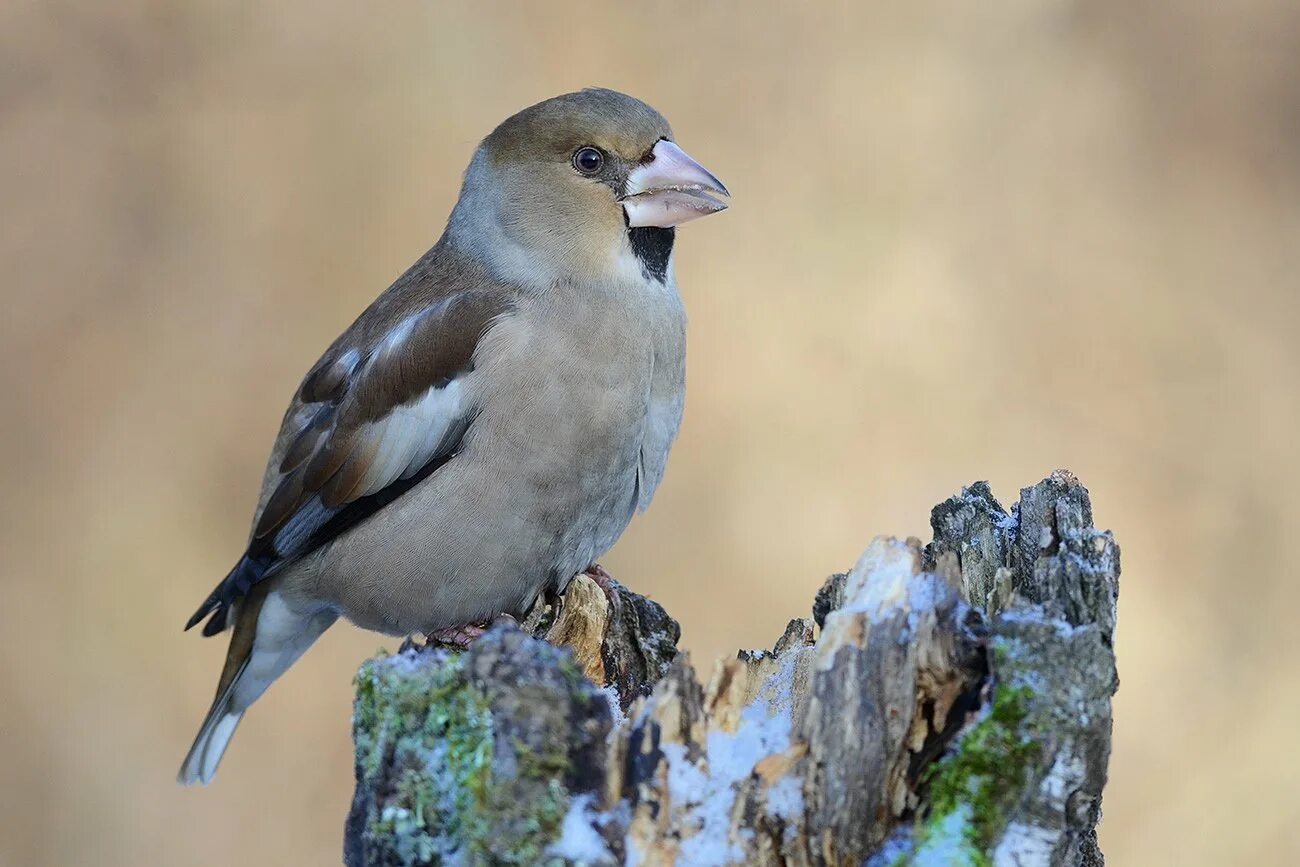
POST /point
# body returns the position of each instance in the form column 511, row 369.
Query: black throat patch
column 653, row 246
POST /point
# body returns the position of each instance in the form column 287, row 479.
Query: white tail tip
column 200, row 766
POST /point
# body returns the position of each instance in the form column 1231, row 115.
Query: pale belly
column 526, row 505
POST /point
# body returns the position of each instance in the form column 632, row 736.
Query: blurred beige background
column 968, row 241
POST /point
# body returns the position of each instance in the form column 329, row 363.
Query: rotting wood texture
column 944, row 704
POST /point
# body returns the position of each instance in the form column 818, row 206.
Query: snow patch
column 615, row 707
column 926, row 592
column 1024, row 844
column 579, row 840
column 895, row 849
column 408, row 661
column 1065, row 776
column 705, row 793
column 946, row 842
column 1036, row 616
column 785, row 798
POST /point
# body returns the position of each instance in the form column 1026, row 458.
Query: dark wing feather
column 370, row 424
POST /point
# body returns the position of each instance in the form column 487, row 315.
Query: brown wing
column 370, row 422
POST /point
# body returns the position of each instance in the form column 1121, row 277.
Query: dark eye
column 588, row 160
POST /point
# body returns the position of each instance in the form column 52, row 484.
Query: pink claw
column 603, row 579
column 460, row 637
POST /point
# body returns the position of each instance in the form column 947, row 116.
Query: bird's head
column 584, row 185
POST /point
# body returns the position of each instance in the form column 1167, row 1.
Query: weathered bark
column 946, row 704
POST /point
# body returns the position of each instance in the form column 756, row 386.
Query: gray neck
column 477, row 227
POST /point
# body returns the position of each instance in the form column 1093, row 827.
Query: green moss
column 430, row 731
column 434, row 730
column 528, row 826
column 976, row 785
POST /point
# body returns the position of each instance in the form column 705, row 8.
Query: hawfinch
column 487, row 427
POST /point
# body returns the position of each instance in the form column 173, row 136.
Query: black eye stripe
column 588, row 160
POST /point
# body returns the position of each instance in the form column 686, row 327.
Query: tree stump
column 945, row 704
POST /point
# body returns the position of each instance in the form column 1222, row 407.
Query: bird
column 489, row 425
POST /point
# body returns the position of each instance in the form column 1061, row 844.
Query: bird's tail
column 214, row 736
column 269, row 637
column 224, row 715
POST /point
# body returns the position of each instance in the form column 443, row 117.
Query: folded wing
column 374, row 417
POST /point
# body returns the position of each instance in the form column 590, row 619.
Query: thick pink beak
column 670, row 189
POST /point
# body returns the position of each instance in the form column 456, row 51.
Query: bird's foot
column 603, row 579
column 605, row 582
column 458, row 637
column 462, row 636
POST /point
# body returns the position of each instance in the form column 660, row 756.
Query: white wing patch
column 409, row 436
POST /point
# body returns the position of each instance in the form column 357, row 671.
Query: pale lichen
column 434, row 731
column 444, row 781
